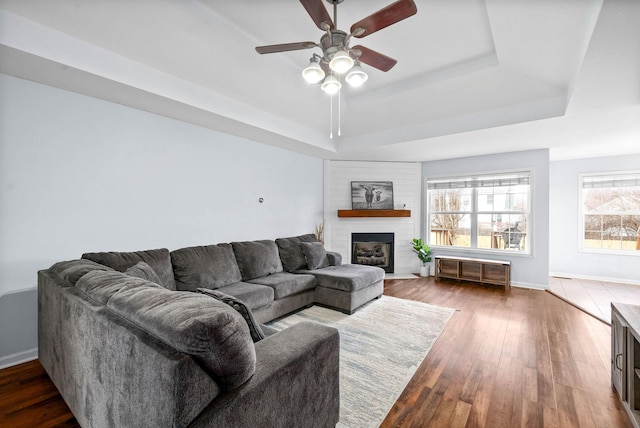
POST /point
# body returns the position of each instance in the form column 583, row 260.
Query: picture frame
column 372, row 195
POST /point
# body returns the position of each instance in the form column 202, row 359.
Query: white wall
column 526, row 270
column 80, row 174
column 406, row 190
column 565, row 259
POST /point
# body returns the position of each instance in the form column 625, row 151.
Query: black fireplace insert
column 373, row 249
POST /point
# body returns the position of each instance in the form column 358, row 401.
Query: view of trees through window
column 611, row 211
column 450, row 218
column 487, row 212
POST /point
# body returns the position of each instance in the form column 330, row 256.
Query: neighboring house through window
column 610, row 212
column 490, row 212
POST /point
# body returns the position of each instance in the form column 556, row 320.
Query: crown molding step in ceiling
column 434, row 80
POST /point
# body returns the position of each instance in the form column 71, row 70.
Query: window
column 611, row 212
column 480, row 212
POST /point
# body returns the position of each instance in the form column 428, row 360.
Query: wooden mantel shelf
column 374, row 213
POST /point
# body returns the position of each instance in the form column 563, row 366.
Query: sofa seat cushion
column 158, row 259
column 210, row 266
column 291, row 252
column 254, row 295
column 347, row 277
column 286, row 284
column 257, row 258
column 71, row 271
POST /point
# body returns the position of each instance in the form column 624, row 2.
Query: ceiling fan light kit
column 356, row 76
column 331, row 85
column 313, row 73
column 337, row 57
column 341, row 62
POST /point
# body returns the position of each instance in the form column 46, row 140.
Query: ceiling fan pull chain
column 331, row 116
column 339, row 111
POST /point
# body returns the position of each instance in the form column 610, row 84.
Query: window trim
column 528, row 252
column 581, row 214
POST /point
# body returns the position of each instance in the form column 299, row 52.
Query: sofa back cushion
column 291, row 252
column 212, row 332
column 99, row 286
column 209, row 330
column 159, row 260
column 315, row 255
column 257, row 258
column 71, row 271
column 211, row 266
column 144, row 271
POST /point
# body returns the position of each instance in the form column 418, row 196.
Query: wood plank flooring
column 522, row 358
column 28, row 399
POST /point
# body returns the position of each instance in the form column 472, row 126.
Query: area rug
column 381, row 346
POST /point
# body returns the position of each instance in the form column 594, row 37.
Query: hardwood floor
column 522, row 358
column 506, row 359
column 28, row 399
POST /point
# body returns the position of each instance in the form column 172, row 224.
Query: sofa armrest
column 335, row 259
column 296, row 383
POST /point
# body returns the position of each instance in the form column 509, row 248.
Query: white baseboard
column 529, row 286
column 594, row 278
column 18, row 358
column 400, row 276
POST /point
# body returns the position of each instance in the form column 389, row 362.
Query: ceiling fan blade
column 285, row 47
column 389, row 15
column 318, row 13
column 375, row 59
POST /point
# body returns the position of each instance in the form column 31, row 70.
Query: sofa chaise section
column 344, row 287
column 347, row 287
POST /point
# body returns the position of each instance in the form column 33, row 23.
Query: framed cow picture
column 371, row 195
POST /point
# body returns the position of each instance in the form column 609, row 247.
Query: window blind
column 503, row 180
column 609, row 181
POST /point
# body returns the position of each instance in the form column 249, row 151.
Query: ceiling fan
column 337, row 57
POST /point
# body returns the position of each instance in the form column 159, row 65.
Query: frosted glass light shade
column 356, row 76
column 341, row 62
column 313, row 73
column 331, row 85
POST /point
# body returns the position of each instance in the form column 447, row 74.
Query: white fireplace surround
column 406, row 178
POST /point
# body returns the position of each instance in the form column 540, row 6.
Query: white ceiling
column 473, row 76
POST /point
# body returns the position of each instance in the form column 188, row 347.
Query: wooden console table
column 477, row 270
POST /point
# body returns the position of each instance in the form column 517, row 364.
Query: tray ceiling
column 473, row 76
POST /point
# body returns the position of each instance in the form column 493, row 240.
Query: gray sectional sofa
column 176, row 339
